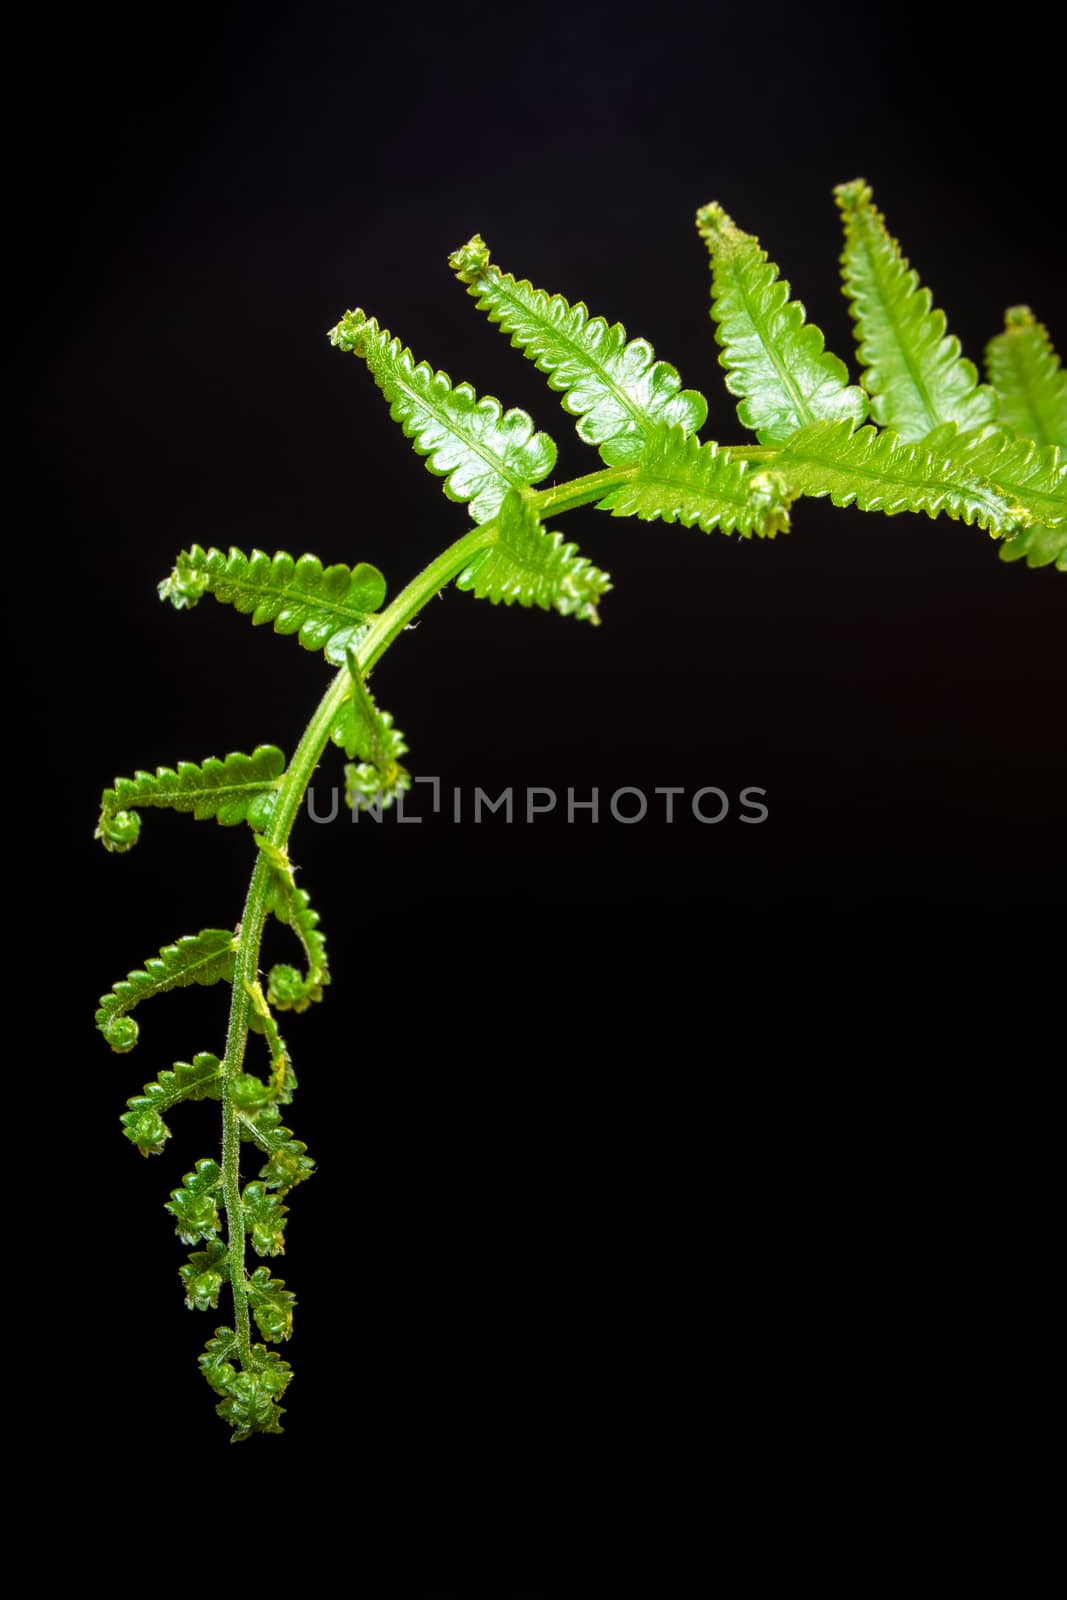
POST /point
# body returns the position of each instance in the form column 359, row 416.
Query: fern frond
column 1041, row 547
column 143, row 1123
column 272, row 1305
column 1031, row 385
column 290, row 989
column 678, row 479
column 250, row 1397
column 879, row 472
column 264, row 1219
column 528, row 565
column 914, row 372
column 238, row 788
column 204, row 957
column 775, row 359
column 364, row 731
column 288, row 1161
column 616, row 388
column 328, row 608
column 1033, row 475
column 195, row 1204
column 481, row 451
column 203, row 1276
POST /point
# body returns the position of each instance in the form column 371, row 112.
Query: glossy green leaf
column 238, row 788
column 205, row 957
column 481, row 451
column 1031, row 385
column 914, row 372
column 272, row 1305
column 879, row 472
column 195, row 1204
column 528, row 566
column 264, row 1218
column 196, row 1080
column 776, row 361
column 678, row 479
column 327, row 608
column 1033, row 476
column 203, row 1276
column 615, row 387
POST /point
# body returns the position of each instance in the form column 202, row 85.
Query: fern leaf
column 288, row 1161
column 250, row 1397
column 616, row 388
column 879, row 472
column 775, row 359
column 678, row 479
column 290, row 989
column 364, row 731
column 1035, row 476
column 1030, row 383
column 528, row 565
column 328, row 608
column 204, row 957
column 236, row 789
column 272, row 1305
column 1041, row 547
column 264, row 1219
column 143, row 1123
column 914, row 372
column 203, row 1276
column 195, row 1204
column 481, row 451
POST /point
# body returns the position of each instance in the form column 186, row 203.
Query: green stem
column 381, row 634
column 750, row 452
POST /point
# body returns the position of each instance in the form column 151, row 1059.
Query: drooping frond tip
column 776, row 361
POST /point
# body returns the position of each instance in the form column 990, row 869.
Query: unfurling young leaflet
column 917, row 433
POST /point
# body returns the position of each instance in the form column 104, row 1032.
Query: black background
column 559, row 1139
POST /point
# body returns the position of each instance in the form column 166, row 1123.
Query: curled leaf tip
column 121, row 1034
column 713, row 222
column 348, row 332
column 118, row 831
column 1018, row 317
column 470, row 260
column 184, row 587
column 770, row 493
column 850, row 196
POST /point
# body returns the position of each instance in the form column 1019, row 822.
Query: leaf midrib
column 800, row 405
column 500, row 281
column 495, row 462
column 933, row 416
